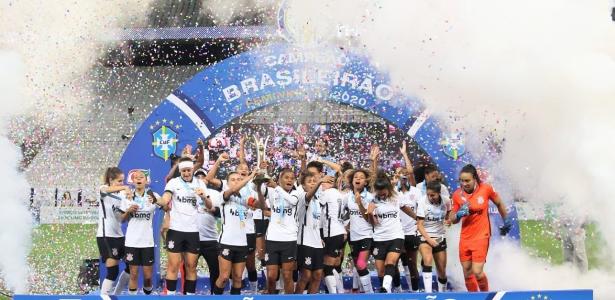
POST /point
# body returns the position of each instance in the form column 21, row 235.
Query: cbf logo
column 164, row 139
column 453, row 145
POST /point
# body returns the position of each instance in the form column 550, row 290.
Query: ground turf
column 59, row 250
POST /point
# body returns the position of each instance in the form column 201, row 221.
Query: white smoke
column 15, row 218
column 46, row 50
column 537, row 74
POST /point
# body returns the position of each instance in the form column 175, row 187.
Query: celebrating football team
column 297, row 222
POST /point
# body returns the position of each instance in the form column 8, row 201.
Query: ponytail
column 110, row 174
column 471, row 169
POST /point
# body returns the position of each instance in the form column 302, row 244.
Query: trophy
column 261, row 147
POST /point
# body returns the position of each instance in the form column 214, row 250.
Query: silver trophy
column 261, row 147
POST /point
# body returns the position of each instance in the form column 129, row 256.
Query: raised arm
column 374, row 155
column 334, row 166
column 171, row 173
column 242, row 150
column 310, row 194
column 200, row 155
column 227, row 194
column 409, row 168
column 211, row 175
column 302, row 156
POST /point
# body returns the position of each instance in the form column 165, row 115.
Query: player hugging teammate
column 298, row 224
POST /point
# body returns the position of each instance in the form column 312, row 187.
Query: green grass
column 58, row 251
column 539, row 240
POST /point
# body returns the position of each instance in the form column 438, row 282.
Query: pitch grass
column 58, row 251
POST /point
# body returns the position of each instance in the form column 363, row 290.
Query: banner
column 69, row 215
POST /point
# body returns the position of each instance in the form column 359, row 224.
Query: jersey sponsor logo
column 187, row 199
column 116, row 209
column 278, row 210
column 308, row 261
column 237, row 213
column 129, row 257
column 355, row 212
column 389, row 215
column 142, row 215
column 164, row 140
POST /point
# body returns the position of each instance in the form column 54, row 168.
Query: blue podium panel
column 516, row 295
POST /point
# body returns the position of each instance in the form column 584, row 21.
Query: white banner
column 69, row 215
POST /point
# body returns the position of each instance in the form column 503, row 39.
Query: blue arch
column 275, row 74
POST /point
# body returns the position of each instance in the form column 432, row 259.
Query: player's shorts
column 140, row 256
column 251, row 238
column 110, row 247
column 412, row 242
column 180, row 241
column 207, row 246
column 334, row 245
column 441, row 246
column 234, row 254
column 381, row 249
column 280, row 252
column 310, row 258
column 474, row 250
column 360, row 245
column 260, row 227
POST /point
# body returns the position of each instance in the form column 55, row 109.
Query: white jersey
column 433, row 216
column 110, row 214
column 308, row 216
column 233, row 214
column 283, row 224
column 388, row 220
column 422, row 187
column 409, row 199
column 248, row 191
column 140, row 232
column 207, row 221
column 331, row 202
column 185, row 204
column 359, row 227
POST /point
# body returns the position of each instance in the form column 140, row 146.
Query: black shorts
column 251, row 238
column 234, row 254
column 180, row 241
column 310, row 258
column 441, row 246
column 358, row 246
column 381, row 249
column 280, row 252
column 260, row 227
column 334, row 245
column 412, row 242
column 110, row 247
column 140, row 256
column 207, row 246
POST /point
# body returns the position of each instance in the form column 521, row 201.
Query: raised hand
column 374, row 152
column 223, row 157
column 403, row 148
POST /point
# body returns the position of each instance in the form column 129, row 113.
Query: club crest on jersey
column 225, row 252
column 308, row 261
column 114, row 251
column 171, row 244
column 129, row 257
column 480, row 200
column 453, row 145
column 164, row 141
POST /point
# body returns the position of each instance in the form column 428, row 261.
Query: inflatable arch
column 275, row 74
